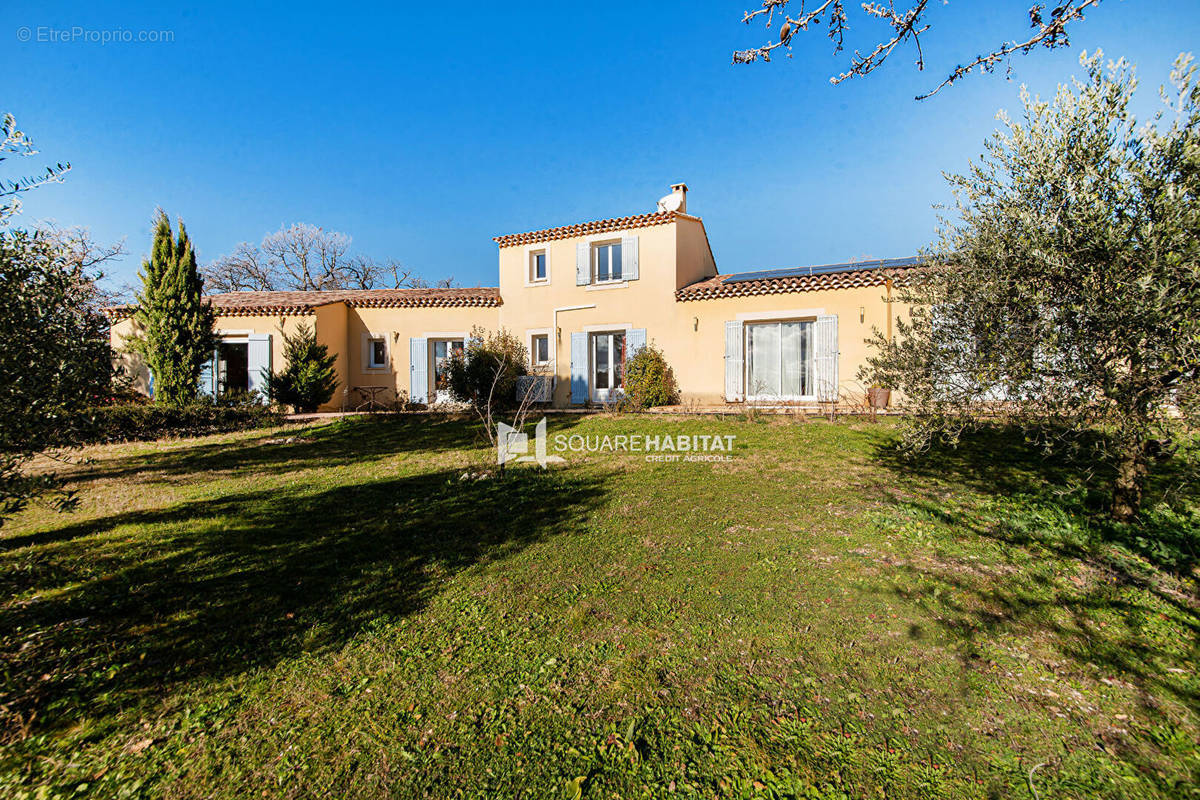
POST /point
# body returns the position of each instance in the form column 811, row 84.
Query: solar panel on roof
column 824, row 269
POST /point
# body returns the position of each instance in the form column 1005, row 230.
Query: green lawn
column 337, row 611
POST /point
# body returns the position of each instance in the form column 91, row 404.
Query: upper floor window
column 539, row 267
column 606, row 262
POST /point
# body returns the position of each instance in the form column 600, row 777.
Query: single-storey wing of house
column 583, row 298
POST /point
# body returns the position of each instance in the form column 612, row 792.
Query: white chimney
column 676, row 200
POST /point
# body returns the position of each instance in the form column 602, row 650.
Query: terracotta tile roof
column 798, row 279
column 243, row 304
column 587, row 228
column 117, row 313
column 478, row 296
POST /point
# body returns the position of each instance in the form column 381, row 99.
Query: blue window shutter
column 733, row 361
column 583, row 265
column 825, row 357
column 207, row 385
column 629, row 258
column 258, row 360
column 635, row 340
column 579, row 368
column 418, row 374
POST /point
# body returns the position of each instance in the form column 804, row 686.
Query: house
column 584, row 298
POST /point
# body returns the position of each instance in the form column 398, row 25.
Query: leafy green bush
column 649, row 380
column 486, row 372
column 308, row 380
column 140, row 421
column 54, row 360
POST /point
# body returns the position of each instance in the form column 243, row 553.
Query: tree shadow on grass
column 125, row 607
column 1118, row 603
column 349, row 440
column 1074, row 485
column 342, row 442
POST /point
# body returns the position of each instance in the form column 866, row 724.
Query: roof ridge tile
column 583, row 228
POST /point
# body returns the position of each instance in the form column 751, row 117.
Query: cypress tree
column 176, row 324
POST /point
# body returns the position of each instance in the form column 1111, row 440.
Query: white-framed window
column 377, row 352
column 539, row 349
column 608, row 365
column 779, row 361
column 606, row 262
column 539, row 266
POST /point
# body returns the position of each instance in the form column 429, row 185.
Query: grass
column 337, row 611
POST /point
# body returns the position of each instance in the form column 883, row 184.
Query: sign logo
column 513, row 445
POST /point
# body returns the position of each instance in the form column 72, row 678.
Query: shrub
column 488, row 369
column 649, row 380
column 54, row 360
column 140, row 421
column 308, row 379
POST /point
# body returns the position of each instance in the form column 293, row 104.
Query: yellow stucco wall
column 696, row 348
column 330, row 321
column 398, row 326
column 671, row 255
column 529, row 308
column 128, row 363
column 693, row 256
column 234, row 327
column 691, row 334
column 343, row 330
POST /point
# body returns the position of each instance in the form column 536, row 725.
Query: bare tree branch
column 307, row 258
column 87, row 258
column 245, row 271
column 907, row 24
column 83, row 250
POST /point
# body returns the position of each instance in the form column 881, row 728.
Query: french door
column 608, row 366
column 443, row 351
column 233, row 367
column 779, row 362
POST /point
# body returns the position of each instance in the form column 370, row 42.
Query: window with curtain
column 779, row 361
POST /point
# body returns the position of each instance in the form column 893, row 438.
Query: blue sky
column 422, row 130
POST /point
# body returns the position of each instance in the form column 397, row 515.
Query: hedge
column 142, row 421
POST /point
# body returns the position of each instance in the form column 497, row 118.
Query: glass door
column 443, row 351
column 233, row 367
column 779, row 362
column 608, row 366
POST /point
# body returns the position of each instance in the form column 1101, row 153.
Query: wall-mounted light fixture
column 862, row 313
column 695, row 323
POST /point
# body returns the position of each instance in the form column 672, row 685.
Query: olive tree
column 14, row 142
column 55, row 362
column 900, row 24
column 1065, row 291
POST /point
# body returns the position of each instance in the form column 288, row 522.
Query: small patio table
column 369, row 395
